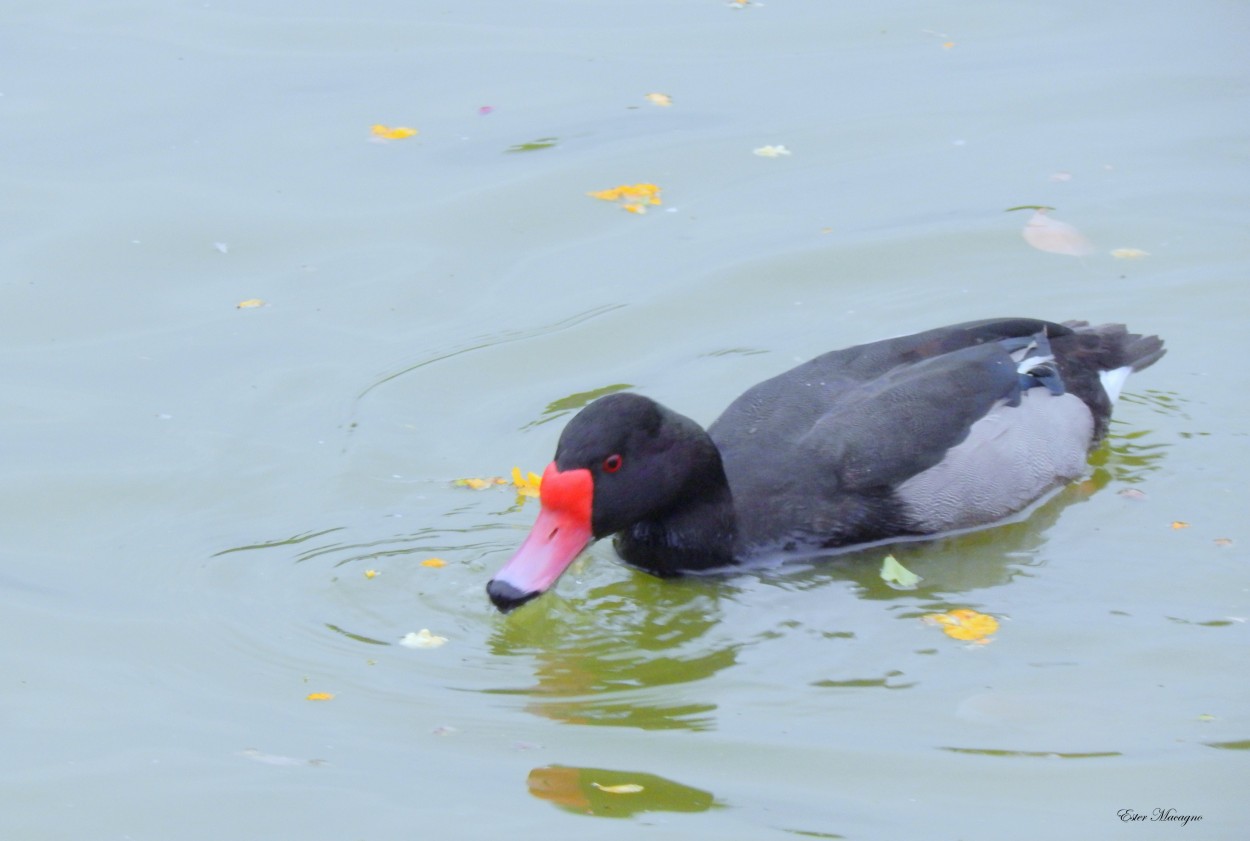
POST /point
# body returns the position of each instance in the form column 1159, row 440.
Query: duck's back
column 949, row 428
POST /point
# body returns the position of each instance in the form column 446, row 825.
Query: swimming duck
column 953, row 428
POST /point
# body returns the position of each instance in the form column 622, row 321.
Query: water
column 193, row 493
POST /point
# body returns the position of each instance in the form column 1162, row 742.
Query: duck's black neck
column 699, row 532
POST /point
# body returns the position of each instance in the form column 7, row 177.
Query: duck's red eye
column 612, row 463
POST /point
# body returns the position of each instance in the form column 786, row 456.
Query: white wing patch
column 1032, row 356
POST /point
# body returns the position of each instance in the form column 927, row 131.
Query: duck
column 950, row 429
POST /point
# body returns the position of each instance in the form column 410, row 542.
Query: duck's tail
column 1112, row 351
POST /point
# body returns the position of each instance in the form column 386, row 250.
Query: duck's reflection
column 607, row 793
column 613, row 657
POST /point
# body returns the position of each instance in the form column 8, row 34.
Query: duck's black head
column 622, row 461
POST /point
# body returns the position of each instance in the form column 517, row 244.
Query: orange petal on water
column 964, row 624
column 528, row 485
column 480, row 484
column 392, row 133
column 632, row 197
